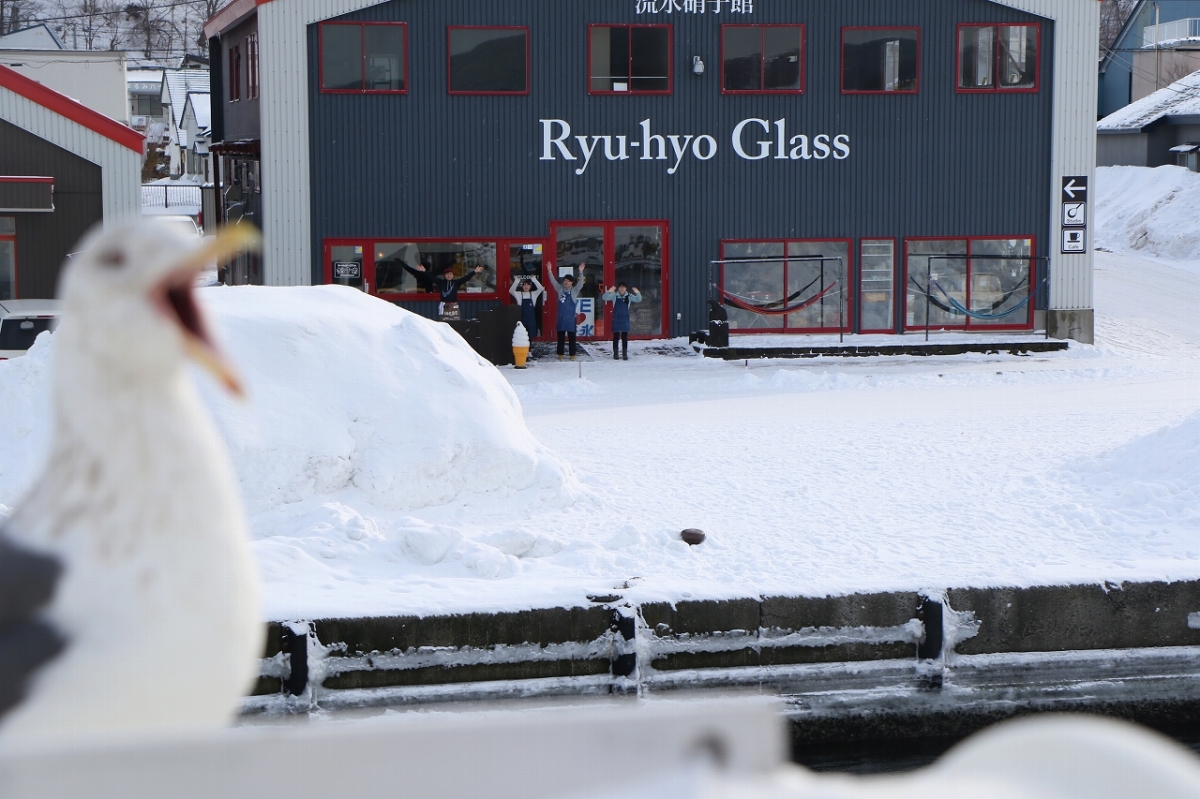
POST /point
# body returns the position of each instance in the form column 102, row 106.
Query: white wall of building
column 95, row 79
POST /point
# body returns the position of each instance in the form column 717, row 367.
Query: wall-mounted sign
column 751, row 139
column 585, row 316
column 1074, row 214
column 347, row 270
column 1074, row 188
column 693, row 6
column 1073, row 241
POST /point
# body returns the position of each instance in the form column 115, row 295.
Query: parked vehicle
column 21, row 321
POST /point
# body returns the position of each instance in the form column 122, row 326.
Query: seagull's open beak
column 174, row 295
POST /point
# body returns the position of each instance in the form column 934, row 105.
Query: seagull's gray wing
column 27, row 642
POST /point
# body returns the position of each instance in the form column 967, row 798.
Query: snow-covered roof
column 199, row 101
column 177, row 83
column 35, row 37
column 144, row 76
column 1181, row 98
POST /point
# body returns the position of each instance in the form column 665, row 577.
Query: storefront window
column 488, row 60
column 880, row 59
column 762, row 58
column 997, row 57
column 629, row 59
column 639, row 261
column 878, row 260
column 363, row 57
column 347, row 266
column 805, row 289
column 580, row 251
column 432, row 258
column 990, row 278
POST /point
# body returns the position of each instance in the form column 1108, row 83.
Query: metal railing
column 166, row 196
column 1171, row 31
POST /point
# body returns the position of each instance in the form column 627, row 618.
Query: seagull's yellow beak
column 174, row 297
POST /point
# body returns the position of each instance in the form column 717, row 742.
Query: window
column 629, row 59
column 762, row 58
column 488, row 60
column 880, row 60
column 969, row 282
column 147, row 105
column 252, row 67
column 391, row 258
column 877, row 258
column 997, row 58
column 360, row 57
column 235, row 73
column 788, row 286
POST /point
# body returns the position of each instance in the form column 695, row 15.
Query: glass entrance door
column 604, row 254
column 346, row 263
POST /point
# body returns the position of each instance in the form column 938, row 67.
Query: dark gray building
column 825, row 167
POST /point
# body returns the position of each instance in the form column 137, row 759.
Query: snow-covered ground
column 388, row 470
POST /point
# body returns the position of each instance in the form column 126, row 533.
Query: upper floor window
column 762, row 58
column 488, row 60
column 880, row 60
column 629, row 59
column 363, row 57
column 997, row 58
column 252, row 67
column 235, row 73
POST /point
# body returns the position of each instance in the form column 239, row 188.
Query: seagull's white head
column 129, row 304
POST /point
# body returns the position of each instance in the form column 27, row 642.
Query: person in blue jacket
column 621, row 298
column 565, row 293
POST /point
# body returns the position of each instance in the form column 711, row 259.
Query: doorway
column 605, row 254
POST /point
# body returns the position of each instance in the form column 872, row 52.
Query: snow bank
column 1148, row 211
column 346, row 393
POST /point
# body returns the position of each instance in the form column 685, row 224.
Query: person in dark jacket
column 566, row 293
column 621, row 298
column 447, row 286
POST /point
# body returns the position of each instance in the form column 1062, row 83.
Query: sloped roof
column 1181, row 98
column 35, row 37
column 201, row 110
column 70, row 109
column 177, row 83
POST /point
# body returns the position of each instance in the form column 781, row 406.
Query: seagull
column 128, row 594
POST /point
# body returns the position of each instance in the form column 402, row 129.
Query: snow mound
column 1152, row 481
column 1148, row 211
column 347, row 393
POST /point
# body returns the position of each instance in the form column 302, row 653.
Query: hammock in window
column 771, row 308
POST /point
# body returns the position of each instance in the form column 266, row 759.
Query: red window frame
column 842, row 72
column 966, row 325
column 896, row 287
column 763, row 66
column 363, row 49
column 449, row 70
column 235, row 73
column 610, row 258
column 252, row 67
column 996, row 88
column 847, row 325
column 670, row 58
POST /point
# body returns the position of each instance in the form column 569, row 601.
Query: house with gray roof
column 1162, row 128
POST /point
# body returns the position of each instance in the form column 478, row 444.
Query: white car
column 21, row 321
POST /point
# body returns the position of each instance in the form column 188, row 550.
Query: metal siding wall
column 44, row 239
column 430, row 165
column 1074, row 144
column 120, row 167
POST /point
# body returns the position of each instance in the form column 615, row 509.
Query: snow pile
column 1151, row 482
column 1148, row 211
column 347, row 393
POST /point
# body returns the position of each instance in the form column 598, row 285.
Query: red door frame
column 549, row 318
column 966, row 325
column 16, row 276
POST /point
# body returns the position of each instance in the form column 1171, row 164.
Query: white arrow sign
column 1071, row 188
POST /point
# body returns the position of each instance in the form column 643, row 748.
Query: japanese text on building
column 694, row 6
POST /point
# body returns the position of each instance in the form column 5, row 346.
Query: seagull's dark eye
column 113, row 259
